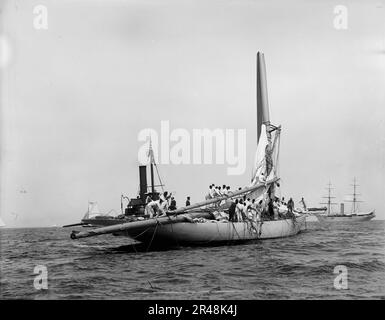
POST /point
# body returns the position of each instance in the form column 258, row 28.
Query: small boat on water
column 207, row 222
column 94, row 218
column 354, row 216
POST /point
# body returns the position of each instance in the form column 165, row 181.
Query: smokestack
column 143, row 181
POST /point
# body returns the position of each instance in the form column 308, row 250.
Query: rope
column 160, row 180
column 142, row 232
column 252, row 227
column 133, row 245
column 172, row 231
column 235, row 229
column 278, row 148
column 153, row 235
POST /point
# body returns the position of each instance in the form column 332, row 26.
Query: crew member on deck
column 151, row 208
column 233, row 205
column 244, row 211
column 217, row 193
column 238, row 210
column 290, row 206
column 163, row 206
column 172, row 204
column 275, row 208
column 252, row 210
column 188, row 201
column 270, row 208
column 259, row 216
column 303, row 204
column 209, row 193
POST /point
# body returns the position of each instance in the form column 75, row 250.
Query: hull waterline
column 346, row 218
column 215, row 232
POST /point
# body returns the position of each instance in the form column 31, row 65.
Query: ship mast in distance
column 354, row 194
column 151, row 157
column 329, row 197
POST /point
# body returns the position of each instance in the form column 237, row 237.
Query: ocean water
column 107, row 267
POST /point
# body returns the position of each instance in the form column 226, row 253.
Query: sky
column 75, row 96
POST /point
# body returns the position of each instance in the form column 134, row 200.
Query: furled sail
column 266, row 155
column 263, row 116
column 259, row 168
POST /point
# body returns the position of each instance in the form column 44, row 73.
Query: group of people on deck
column 158, row 208
column 217, row 191
column 243, row 209
column 246, row 209
column 240, row 209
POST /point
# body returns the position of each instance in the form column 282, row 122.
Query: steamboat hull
column 346, row 218
column 101, row 222
column 214, row 232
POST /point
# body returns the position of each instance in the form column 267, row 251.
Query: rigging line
column 235, row 229
column 251, row 226
column 133, row 245
column 142, row 232
column 278, row 148
column 254, row 224
column 260, row 223
column 251, row 223
column 153, row 235
column 216, row 223
column 172, row 231
column 228, row 229
column 160, row 180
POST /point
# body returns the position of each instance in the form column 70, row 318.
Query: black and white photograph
column 210, row 152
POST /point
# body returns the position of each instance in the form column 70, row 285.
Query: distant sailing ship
column 197, row 224
column 354, row 215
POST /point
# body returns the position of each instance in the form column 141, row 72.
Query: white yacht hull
column 212, row 232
